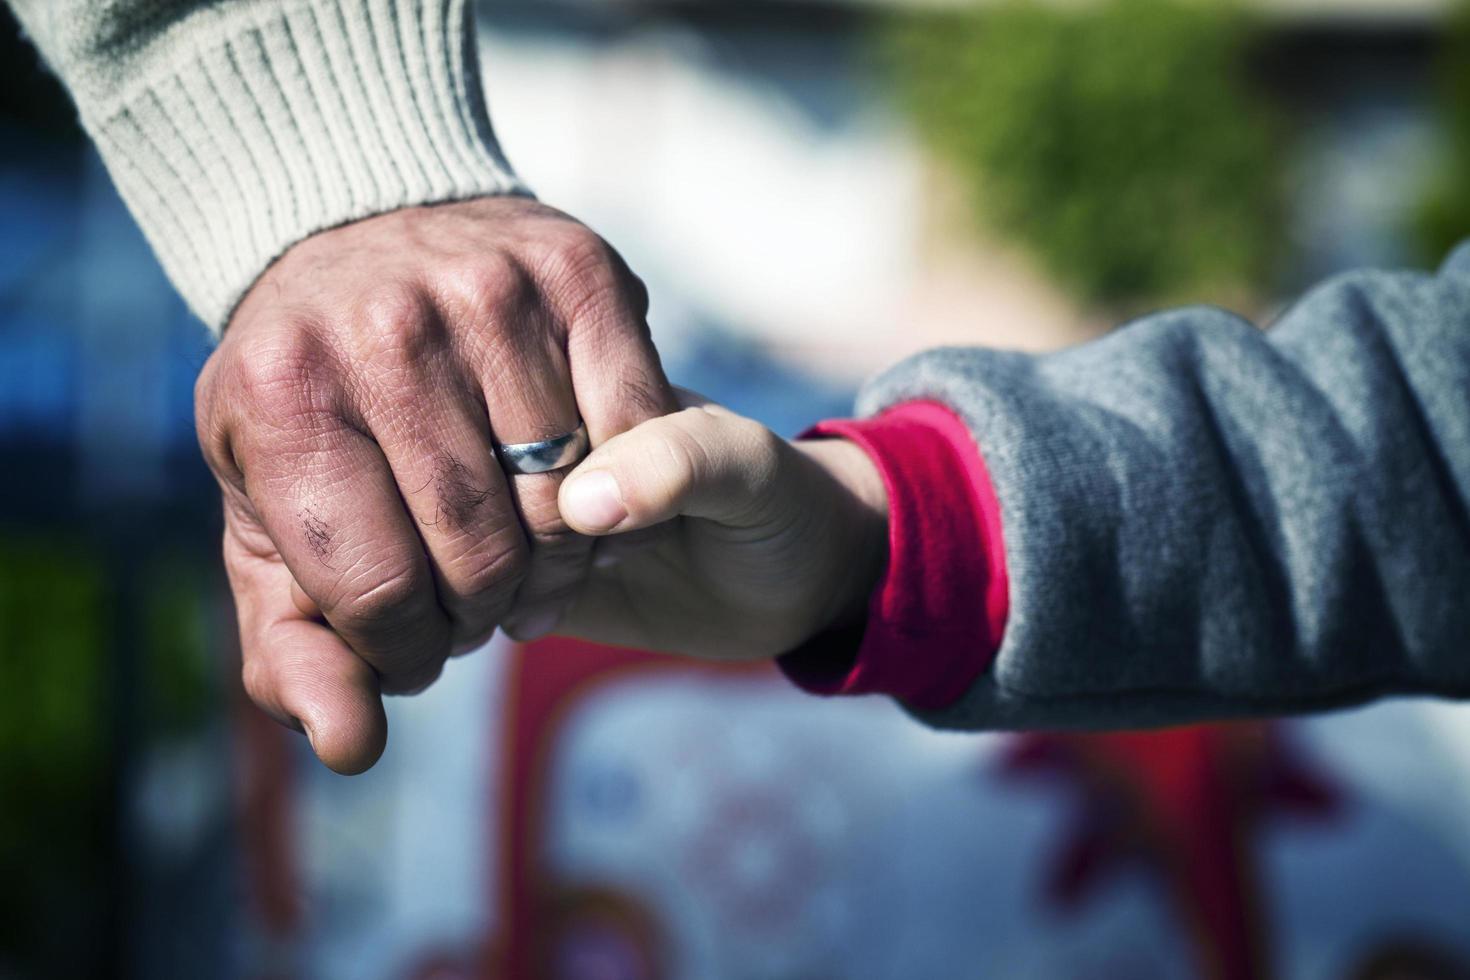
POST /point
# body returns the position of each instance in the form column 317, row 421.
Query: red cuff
column 935, row 620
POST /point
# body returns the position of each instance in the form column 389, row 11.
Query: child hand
column 722, row 540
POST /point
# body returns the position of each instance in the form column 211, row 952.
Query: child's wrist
column 860, row 534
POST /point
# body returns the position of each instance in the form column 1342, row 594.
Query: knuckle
column 766, row 448
column 215, row 446
column 496, row 568
column 461, row 496
column 385, row 598
column 700, row 425
column 398, row 322
column 210, row 432
column 286, row 378
column 212, row 429
column 204, row 386
column 585, row 277
column 679, row 455
column 755, row 439
column 640, row 295
column 575, row 252
column 490, row 284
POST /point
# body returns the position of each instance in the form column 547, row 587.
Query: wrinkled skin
column 349, row 415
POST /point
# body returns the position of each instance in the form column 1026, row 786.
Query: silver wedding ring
column 549, row 454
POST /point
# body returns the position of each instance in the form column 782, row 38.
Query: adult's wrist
column 259, row 125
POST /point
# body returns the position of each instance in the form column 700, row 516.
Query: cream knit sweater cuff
column 244, row 127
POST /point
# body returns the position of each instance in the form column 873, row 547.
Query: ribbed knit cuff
column 936, row 618
column 284, row 119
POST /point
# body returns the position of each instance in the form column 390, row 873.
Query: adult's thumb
column 307, row 677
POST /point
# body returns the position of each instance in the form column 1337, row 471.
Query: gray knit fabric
column 235, row 128
column 1206, row 520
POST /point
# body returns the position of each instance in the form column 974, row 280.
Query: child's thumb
column 701, row 462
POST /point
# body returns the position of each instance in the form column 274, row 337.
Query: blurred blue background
column 811, row 190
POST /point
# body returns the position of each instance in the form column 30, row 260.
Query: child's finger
column 701, row 462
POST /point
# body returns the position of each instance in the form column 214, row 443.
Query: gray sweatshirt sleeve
column 235, row 128
column 1207, row 520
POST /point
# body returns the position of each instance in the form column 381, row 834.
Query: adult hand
column 742, row 545
column 349, row 415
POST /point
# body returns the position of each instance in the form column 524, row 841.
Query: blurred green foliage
column 52, row 704
column 178, row 636
column 54, row 818
column 65, row 614
column 1120, row 141
column 1444, row 216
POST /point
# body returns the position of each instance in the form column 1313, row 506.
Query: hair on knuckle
column 459, row 497
column 642, row 392
column 317, row 535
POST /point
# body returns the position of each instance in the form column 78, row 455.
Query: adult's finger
column 530, row 399
column 433, row 430
column 299, row 670
column 325, row 495
column 614, row 374
column 619, row 379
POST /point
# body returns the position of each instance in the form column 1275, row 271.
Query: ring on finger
column 519, row 458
